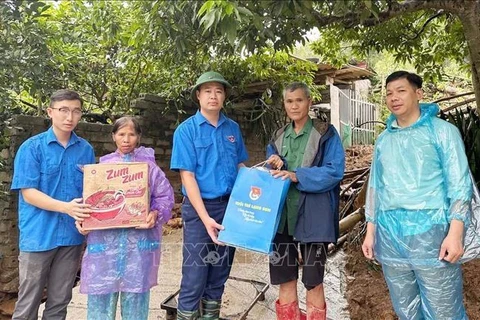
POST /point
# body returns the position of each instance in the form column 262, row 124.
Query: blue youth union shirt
column 211, row 153
column 44, row 164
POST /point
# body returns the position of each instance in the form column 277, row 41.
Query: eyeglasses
column 65, row 111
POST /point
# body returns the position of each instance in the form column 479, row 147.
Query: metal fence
column 356, row 116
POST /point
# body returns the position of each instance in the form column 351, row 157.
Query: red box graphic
column 118, row 195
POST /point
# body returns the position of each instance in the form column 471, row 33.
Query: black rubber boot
column 187, row 315
column 211, row 309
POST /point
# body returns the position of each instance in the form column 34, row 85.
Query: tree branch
column 438, row 14
column 140, row 68
column 394, row 9
column 34, row 107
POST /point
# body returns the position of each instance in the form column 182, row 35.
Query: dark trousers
column 206, row 266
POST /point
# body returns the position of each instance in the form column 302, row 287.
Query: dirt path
column 238, row 295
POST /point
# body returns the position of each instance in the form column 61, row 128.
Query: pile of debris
column 353, row 189
column 176, row 221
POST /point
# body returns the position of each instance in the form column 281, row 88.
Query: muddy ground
column 367, row 292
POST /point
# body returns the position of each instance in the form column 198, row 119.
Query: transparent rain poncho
column 127, row 260
column 419, row 182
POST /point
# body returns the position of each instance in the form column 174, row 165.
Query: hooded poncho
column 127, row 260
column 419, row 182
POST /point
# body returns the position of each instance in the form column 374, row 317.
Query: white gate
column 356, row 119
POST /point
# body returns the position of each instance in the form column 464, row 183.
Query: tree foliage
column 110, row 51
column 424, row 39
column 26, row 66
column 422, row 32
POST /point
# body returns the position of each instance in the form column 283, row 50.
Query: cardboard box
column 118, row 194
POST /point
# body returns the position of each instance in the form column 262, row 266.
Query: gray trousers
column 55, row 269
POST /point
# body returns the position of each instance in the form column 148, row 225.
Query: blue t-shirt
column 44, row 164
column 211, row 153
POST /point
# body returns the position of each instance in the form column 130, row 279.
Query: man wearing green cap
column 207, row 150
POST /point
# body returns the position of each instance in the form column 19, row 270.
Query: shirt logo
column 255, row 193
column 231, row 139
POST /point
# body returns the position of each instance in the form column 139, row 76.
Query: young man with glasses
column 48, row 174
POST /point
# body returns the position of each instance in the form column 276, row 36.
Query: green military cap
column 210, row 76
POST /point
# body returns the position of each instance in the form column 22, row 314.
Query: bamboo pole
column 345, row 225
column 351, row 220
column 332, row 247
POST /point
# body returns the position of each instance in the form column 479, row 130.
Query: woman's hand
column 151, row 219
column 80, row 229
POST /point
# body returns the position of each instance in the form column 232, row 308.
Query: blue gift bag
column 254, row 210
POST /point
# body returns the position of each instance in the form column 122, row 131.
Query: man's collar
column 201, row 118
column 51, row 137
column 290, row 129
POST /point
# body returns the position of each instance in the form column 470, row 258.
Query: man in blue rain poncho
column 417, row 205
